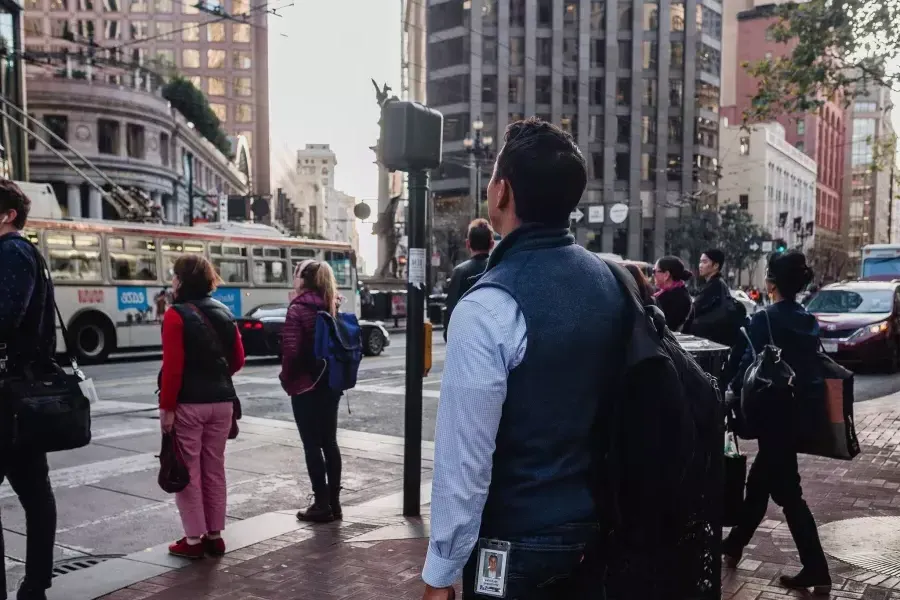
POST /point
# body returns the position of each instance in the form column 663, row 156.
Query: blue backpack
column 339, row 344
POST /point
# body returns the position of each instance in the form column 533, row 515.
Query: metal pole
column 415, row 344
column 190, row 188
column 891, row 204
column 477, row 185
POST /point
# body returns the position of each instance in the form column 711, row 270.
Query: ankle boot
column 335, row 501
column 820, row 583
column 319, row 511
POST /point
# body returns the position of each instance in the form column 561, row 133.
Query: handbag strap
column 769, row 326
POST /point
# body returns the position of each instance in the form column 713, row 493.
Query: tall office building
column 220, row 45
column 636, row 82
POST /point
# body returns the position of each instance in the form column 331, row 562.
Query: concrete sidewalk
column 375, row 554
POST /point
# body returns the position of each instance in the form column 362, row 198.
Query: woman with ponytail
column 315, row 406
column 672, row 296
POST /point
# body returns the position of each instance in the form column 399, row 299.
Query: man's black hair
column 13, row 198
column 545, row 169
column 716, row 256
column 480, row 235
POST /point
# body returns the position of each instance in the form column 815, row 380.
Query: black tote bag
column 47, row 408
column 735, row 482
column 173, row 472
column 825, row 423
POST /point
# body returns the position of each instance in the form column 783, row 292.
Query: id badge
column 493, row 561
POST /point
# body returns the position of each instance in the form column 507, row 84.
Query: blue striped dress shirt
column 487, row 340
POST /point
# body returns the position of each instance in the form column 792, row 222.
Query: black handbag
column 173, row 472
column 735, row 482
column 826, row 425
column 46, row 407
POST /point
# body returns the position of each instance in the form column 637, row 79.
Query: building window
column 598, row 15
column 215, row 59
column 570, row 13
column 598, row 53
column 544, row 52
column 676, row 130
column 243, row 113
column 800, row 146
column 240, row 7
column 677, row 55
column 676, row 92
column 570, row 53
column 650, row 53
column 545, row 13
column 216, row 86
column 650, row 93
column 84, row 5
column 709, row 59
column 708, row 97
column 623, row 91
column 134, row 140
column 240, row 32
column 745, row 146
column 517, row 13
column 240, row 60
column 196, row 80
column 516, row 52
column 597, row 163
column 189, row 9
column 488, row 89
column 59, row 28
column 570, row 90
column 569, row 124
column 112, row 30
column 215, row 32
column 801, row 127
column 625, row 15
column 622, row 166
column 138, row 6
column 517, row 90
column 595, row 128
column 243, row 86
column 248, row 135
column 648, row 129
column 623, row 129
column 164, row 149
column 625, row 54
column 107, row 136
column 58, row 124
column 164, row 30
column 34, row 26
column 676, row 13
column 190, row 59
column 862, row 150
column 651, row 17
column 865, row 107
column 140, row 30
column 598, row 91
column 648, row 167
column 163, row 6
column 84, row 29
column 191, row 32
column 543, row 89
column 744, row 201
column 59, row 5
column 220, row 110
column 673, row 167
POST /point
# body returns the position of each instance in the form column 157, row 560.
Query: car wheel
column 374, row 342
column 92, row 340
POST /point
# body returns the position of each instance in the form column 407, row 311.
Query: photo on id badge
column 491, row 580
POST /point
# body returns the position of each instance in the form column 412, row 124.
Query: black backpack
column 660, row 475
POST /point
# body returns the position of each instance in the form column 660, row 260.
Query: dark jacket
column 676, row 305
column 27, row 316
column 573, row 310
column 464, row 276
column 207, row 352
column 796, row 332
column 299, row 369
column 711, row 319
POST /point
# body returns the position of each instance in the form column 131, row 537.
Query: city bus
column 112, row 278
column 880, row 262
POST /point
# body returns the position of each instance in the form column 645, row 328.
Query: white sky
column 322, row 56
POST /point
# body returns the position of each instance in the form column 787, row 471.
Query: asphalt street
column 108, row 499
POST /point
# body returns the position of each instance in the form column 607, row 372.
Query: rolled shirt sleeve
column 487, row 341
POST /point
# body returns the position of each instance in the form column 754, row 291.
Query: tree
column 696, row 232
column 836, row 48
column 192, row 103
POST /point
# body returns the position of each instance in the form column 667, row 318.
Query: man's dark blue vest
column 573, row 310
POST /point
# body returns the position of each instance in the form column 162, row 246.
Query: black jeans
column 775, row 473
column 542, row 566
column 28, row 474
column 315, row 413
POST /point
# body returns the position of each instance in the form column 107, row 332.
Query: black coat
column 465, row 275
column 676, row 305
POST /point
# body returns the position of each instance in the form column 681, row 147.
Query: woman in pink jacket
column 303, row 377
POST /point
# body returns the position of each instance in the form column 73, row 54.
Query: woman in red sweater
column 202, row 349
column 315, row 406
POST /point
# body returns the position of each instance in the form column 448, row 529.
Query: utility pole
column 190, row 188
column 891, row 204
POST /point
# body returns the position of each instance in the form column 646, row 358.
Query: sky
column 322, row 57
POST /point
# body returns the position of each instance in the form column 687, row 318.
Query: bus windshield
column 881, row 267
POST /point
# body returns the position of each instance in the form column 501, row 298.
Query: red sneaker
column 214, row 547
column 184, row 550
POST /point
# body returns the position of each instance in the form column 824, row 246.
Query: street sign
column 435, row 260
column 618, row 213
column 576, row 215
column 754, row 246
column 595, row 213
column 767, row 246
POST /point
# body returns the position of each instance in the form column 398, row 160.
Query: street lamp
column 479, row 149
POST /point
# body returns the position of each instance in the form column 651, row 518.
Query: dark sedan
column 860, row 323
column 261, row 332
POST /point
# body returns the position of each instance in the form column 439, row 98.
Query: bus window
column 298, row 255
column 230, row 262
column 132, row 259
column 340, row 264
column 33, row 236
column 271, row 269
column 172, row 249
column 74, row 257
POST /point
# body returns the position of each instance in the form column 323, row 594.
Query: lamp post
column 479, row 148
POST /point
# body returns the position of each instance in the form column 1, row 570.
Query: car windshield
column 850, row 301
column 268, row 311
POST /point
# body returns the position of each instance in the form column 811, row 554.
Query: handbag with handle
column 48, row 407
column 735, row 480
column 826, row 425
column 173, row 472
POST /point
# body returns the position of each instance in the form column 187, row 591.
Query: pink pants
column 202, row 431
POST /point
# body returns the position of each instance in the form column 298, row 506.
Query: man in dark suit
column 479, row 243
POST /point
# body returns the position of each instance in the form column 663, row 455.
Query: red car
column 860, row 322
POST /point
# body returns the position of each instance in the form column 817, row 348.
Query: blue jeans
column 542, row 566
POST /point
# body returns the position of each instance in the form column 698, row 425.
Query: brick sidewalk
column 350, row 560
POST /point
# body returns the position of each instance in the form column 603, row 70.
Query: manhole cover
column 70, row 565
column 870, row 543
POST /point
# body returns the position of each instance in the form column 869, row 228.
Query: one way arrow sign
column 576, row 215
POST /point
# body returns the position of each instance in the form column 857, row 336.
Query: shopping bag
column 825, row 422
column 735, row 480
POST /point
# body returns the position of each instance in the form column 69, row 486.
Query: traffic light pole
column 415, row 343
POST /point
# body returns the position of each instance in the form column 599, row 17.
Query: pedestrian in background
column 509, row 465
column 27, row 338
column 672, row 296
column 314, row 403
column 479, row 243
column 202, row 350
column 775, row 471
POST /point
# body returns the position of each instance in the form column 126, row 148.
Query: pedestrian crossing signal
column 780, row 246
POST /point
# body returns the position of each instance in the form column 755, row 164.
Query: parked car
column 860, row 322
column 261, row 332
column 742, row 297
